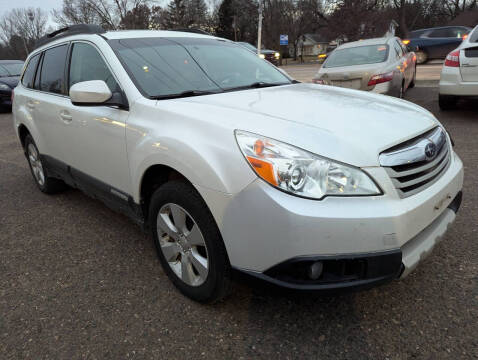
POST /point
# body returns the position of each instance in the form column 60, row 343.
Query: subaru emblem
column 430, row 150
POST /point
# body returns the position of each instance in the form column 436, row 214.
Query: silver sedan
column 382, row 65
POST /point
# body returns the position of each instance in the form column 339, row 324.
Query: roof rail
column 69, row 30
column 192, row 30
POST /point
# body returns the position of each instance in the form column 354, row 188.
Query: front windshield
column 360, row 55
column 13, row 69
column 161, row 67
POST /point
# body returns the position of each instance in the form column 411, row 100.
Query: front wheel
column 188, row 242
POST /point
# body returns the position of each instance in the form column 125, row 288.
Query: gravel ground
column 80, row 281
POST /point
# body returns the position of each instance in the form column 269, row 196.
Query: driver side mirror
column 96, row 93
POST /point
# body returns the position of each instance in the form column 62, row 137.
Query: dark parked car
column 10, row 71
column 270, row 55
column 436, row 43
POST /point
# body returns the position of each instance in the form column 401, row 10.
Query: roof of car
column 440, row 27
column 374, row 41
column 131, row 34
column 120, row 34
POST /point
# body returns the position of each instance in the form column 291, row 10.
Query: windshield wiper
column 256, row 85
column 187, row 93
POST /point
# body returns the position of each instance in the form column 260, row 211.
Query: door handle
column 66, row 117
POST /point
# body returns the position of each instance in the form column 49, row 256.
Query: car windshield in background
column 169, row 67
column 13, row 69
column 360, row 55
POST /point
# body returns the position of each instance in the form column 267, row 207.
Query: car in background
column 459, row 76
column 270, row 55
column 10, row 71
column 381, row 65
column 323, row 56
column 435, row 43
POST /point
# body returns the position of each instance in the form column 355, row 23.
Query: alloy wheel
column 36, row 165
column 182, row 244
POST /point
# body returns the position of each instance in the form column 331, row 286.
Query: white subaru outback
column 232, row 166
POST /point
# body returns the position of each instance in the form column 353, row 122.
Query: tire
column 412, row 83
column 194, row 258
column 46, row 184
column 447, row 102
column 422, row 57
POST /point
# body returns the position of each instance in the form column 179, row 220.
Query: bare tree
column 27, row 24
column 75, row 12
column 111, row 14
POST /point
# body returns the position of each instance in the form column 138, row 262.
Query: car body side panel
column 179, row 142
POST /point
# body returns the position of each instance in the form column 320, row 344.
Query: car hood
column 346, row 125
column 11, row 81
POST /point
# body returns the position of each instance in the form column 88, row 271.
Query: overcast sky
column 47, row 5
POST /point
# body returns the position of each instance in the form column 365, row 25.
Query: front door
column 97, row 148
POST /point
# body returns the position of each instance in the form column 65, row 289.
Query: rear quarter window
column 29, row 73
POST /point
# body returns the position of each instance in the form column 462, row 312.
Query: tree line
column 232, row 19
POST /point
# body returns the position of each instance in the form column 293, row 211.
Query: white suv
column 234, row 167
column 459, row 75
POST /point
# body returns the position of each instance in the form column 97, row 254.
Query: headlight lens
column 277, row 55
column 262, row 56
column 300, row 172
column 4, row 87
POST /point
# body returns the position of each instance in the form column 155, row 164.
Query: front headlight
column 262, row 56
column 4, row 87
column 300, row 172
column 277, row 55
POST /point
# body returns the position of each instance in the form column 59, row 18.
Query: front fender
column 207, row 155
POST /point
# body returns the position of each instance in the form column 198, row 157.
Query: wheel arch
column 152, row 178
column 22, row 132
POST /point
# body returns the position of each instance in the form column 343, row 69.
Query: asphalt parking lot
column 79, row 281
column 426, row 74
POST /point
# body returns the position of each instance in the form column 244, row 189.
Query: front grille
column 413, row 166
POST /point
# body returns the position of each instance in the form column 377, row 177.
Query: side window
column 36, row 83
column 29, row 73
column 53, row 70
column 458, row 32
column 403, row 46
column 397, row 50
column 87, row 64
column 440, row 33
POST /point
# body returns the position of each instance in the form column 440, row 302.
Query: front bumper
column 356, row 271
column 263, row 227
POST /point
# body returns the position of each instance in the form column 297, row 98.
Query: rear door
column 50, row 100
column 25, row 98
column 469, row 59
